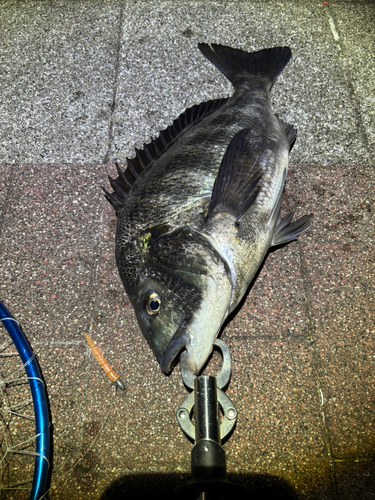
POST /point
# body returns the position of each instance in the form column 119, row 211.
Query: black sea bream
column 199, row 207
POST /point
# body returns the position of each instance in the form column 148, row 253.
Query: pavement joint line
column 8, row 188
column 353, row 460
column 52, row 343
column 115, row 85
column 96, row 251
column 316, row 370
column 349, row 81
column 96, row 257
column 333, row 28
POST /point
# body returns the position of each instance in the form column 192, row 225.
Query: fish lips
column 180, row 339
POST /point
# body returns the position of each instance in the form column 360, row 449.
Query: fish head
column 180, row 292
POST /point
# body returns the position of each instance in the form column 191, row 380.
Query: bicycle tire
column 41, row 413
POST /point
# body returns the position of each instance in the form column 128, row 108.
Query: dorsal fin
column 154, row 150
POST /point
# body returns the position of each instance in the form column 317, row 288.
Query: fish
column 198, row 208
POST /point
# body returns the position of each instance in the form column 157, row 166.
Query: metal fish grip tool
column 208, row 462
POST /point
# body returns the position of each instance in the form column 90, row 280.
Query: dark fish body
column 199, row 208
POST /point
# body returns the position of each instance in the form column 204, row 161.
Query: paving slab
column 340, row 288
column 49, row 238
column 63, row 367
column 58, row 72
column 356, row 479
column 161, row 72
column 349, row 25
column 86, row 82
column 280, row 431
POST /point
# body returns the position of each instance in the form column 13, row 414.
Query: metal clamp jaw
column 208, row 462
column 222, row 379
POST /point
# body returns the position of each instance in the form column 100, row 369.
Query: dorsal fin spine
column 158, row 147
column 132, row 168
column 146, row 149
column 113, row 199
column 129, row 177
column 142, row 159
column 152, row 151
column 116, row 187
column 162, row 138
column 122, row 176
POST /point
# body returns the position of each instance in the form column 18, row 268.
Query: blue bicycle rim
column 39, row 399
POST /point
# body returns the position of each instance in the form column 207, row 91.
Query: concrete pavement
column 81, row 85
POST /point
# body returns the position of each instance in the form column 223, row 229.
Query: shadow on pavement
column 155, row 486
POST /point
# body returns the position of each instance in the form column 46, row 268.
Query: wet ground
column 81, row 84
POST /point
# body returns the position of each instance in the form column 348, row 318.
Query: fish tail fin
column 237, row 64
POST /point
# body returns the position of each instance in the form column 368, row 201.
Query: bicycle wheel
column 24, row 446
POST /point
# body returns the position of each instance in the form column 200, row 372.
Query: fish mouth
column 198, row 333
column 180, row 339
column 185, row 339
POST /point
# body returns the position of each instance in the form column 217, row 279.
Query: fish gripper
column 207, row 392
column 208, row 462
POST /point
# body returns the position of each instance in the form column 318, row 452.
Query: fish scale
column 199, row 207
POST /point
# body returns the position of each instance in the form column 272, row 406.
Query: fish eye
column 152, row 303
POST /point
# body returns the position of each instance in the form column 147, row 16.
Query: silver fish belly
column 199, row 207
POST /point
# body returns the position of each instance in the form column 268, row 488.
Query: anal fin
column 286, row 230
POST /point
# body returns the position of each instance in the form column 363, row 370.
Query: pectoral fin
column 238, row 181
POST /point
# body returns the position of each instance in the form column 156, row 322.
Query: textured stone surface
column 82, row 84
column 58, row 64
